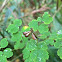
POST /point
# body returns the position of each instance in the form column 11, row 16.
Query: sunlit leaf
column 43, row 28
column 3, row 43
column 17, row 22
column 33, row 24
column 12, row 28
column 8, row 52
column 47, row 18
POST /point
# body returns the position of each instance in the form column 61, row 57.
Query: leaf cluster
column 7, row 53
column 34, row 50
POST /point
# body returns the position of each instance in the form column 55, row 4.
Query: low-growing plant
column 34, row 39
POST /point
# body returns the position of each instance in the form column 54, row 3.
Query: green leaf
column 53, row 35
column 33, row 56
column 25, row 40
column 43, row 28
column 3, row 43
column 58, row 43
column 17, row 36
column 42, row 45
column 8, row 52
column 59, row 36
column 33, row 24
column 59, row 52
column 19, row 45
column 36, row 52
column 1, row 53
column 31, row 45
column 38, row 55
column 44, row 35
column 39, row 19
column 3, row 58
column 26, row 53
column 46, row 18
column 12, row 28
column 49, row 41
column 17, row 22
column 43, row 54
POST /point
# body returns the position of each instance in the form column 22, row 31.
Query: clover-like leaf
column 12, row 28
column 39, row 19
column 33, row 24
column 17, row 36
column 25, row 40
column 38, row 55
column 59, row 52
column 43, row 54
column 44, row 35
column 47, row 18
column 43, row 28
column 42, row 45
column 8, row 53
column 31, row 45
column 17, row 22
column 49, row 41
column 3, row 43
column 33, row 56
column 53, row 35
column 19, row 45
column 26, row 53
column 3, row 58
column 58, row 43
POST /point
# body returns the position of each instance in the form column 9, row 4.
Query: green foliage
column 20, row 45
column 59, row 52
column 43, row 28
column 7, row 53
column 39, row 19
column 3, row 58
column 58, row 43
column 3, row 43
column 12, row 28
column 46, row 18
column 17, row 36
column 17, row 22
column 34, row 50
column 34, row 24
column 37, row 55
